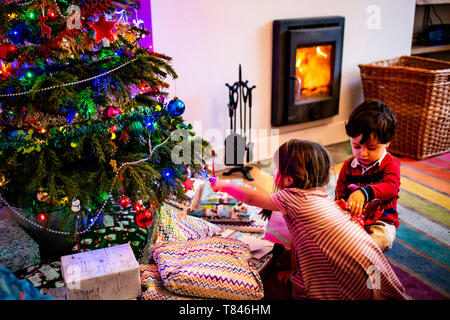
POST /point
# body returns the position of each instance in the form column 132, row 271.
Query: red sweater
column 381, row 181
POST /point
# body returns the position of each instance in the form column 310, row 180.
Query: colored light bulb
column 167, row 173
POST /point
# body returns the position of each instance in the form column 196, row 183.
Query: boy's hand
column 356, row 203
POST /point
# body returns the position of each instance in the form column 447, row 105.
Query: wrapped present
column 44, row 275
column 17, row 249
column 105, row 274
column 254, row 225
column 210, row 197
column 223, row 212
column 120, row 228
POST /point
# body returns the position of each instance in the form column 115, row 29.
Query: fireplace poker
column 232, row 106
column 248, row 97
column 240, row 99
column 213, row 153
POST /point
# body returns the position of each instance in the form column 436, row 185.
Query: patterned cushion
column 218, row 268
column 155, row 289
column 167, row 227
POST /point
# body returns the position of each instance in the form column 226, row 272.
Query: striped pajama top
column 336, row 258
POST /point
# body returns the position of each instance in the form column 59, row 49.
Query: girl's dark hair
column 369, row 117
column 307, row 162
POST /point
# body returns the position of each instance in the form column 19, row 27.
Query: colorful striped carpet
column 420, row 255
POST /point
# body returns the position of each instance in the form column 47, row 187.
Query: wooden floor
column 263, row 181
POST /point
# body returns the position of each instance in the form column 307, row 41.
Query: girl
column 334, row 257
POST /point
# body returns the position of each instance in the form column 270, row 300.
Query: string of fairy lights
column 69, row 83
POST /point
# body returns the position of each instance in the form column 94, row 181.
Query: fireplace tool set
column 239, row 141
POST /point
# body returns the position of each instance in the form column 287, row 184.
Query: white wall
column 208, row 39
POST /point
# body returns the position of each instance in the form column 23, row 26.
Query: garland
column 67, row 84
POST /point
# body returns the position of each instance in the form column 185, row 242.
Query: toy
column 370, row 214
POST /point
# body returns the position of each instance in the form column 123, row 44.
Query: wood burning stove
column 306, row 69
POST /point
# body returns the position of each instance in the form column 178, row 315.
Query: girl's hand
column 216, row 184
column 285, row 276
column 356, row 203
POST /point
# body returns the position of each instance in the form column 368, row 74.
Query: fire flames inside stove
column 313, row 71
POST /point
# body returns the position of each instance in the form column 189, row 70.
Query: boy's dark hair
column 372, row 116
column 307, row 162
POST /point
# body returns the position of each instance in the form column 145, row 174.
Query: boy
column 372, row 172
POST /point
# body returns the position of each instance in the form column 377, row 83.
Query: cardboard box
column 17, row 249
column 104, row 274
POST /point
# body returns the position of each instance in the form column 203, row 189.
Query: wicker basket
column 418, row 92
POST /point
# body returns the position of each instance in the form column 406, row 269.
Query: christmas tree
column 83, row 117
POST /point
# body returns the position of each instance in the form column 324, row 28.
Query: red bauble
column 144, row 218
column 111, row 112
column 124, row 202
column 7, row 52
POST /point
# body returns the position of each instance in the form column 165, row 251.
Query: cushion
column 168, row 227
column 154, row 287
column 218, row 268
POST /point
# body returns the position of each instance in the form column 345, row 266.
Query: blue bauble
column 176, row 107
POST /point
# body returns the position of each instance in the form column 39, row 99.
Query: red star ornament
column 103, row 29
column 188, row 184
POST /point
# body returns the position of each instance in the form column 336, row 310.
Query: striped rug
column 420, row 255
